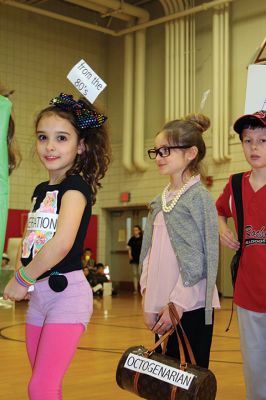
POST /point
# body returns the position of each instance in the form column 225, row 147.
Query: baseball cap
column 258, row 116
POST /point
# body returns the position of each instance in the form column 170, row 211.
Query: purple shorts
column 74, row 305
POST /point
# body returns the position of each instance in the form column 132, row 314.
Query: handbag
column 237, row 193
column 155, row 376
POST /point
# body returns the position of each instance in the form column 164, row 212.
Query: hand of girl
column 150, row 319
column 165, row 323
column 15, row 291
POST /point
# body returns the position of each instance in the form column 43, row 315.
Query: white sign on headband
column 88, row 83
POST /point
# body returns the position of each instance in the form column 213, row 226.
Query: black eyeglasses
column 164, row 151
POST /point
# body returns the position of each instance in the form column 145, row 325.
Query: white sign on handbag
column 163, row 372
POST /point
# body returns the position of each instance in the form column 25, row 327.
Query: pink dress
column 161, row 279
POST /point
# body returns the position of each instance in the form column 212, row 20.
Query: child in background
column 249, row 293
column 179, row 253
column 87, row 259
column 5, row 261
column 73, row 146
column 100, row 274
column 9, row 157
column 14, row 156
column 99, row 278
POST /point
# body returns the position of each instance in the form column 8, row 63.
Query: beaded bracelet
column 23, row 279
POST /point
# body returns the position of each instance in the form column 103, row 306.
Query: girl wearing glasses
column 179, row 255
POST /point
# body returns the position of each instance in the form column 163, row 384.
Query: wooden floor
column 116, row 325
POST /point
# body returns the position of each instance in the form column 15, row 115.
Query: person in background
column 100, row 274
column 249, row 292
column 90, row 274
column 180, row 246
column 134, row 248
column 5, row 261
column 96, row 278
column 86, row 271
column 9, row 156
column 14, row 156
column 73, row 146
column 87, row 259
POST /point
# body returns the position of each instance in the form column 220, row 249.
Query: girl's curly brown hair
column 92, row 164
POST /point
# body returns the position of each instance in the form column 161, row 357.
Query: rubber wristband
column 25, row 277
column 18, row 279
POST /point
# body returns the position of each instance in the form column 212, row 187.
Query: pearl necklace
column 168, row 207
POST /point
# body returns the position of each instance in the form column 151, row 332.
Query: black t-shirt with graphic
column 135, row 244
column 42, row 222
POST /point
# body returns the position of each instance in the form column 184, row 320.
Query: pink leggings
column 50, row 349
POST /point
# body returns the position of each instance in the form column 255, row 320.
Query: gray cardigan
column 192, row 226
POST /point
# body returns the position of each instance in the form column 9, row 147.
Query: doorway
column 120, row 226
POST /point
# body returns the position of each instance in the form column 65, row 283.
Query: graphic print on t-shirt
column 255, row 236
column 41, row 225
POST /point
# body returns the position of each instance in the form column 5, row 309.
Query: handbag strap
column 237, row 193
column 173, row 312
column 175, row 321
column 160, row 341
column 164, row 338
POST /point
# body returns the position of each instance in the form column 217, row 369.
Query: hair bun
column 201, row 120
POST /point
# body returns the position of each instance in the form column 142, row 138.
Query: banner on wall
column 5, row 111
column 256, row 89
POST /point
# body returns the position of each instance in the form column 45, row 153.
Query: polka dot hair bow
column 84, row 118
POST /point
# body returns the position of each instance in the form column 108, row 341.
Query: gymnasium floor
column 115, row 325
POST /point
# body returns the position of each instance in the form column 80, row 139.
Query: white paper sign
column 88, row 83
column 256, row 89
column 153, row 368
column 42, row 221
